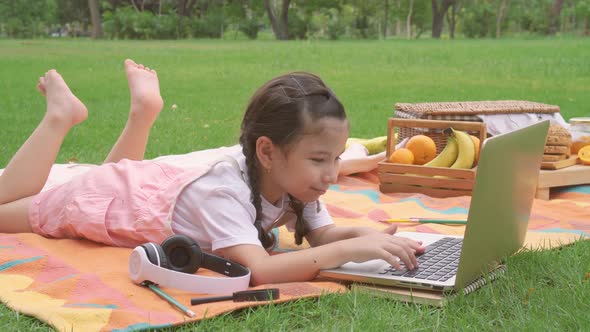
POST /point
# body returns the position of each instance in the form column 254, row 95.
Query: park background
column 292, row 19
column 505, row 49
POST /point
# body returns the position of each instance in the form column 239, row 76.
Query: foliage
column 246, row 15
column 324, row 19
column 331, row 22
column 479, row 20
column 128, row 23
column 26, row 19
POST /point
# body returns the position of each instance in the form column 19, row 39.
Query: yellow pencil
column 427, row 221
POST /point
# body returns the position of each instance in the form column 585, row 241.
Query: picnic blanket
column 78, row 285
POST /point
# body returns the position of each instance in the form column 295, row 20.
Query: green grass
column 211, row 82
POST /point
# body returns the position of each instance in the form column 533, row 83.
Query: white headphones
column 174, row 263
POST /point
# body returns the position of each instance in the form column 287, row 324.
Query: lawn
column 210, row 83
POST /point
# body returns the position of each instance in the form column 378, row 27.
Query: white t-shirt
column 216, row 210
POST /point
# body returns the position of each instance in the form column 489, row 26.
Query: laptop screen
column 505, row 185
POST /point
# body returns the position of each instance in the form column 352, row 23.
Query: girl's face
column 311, row 165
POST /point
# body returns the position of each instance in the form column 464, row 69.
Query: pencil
column 428, row 221
column 171, row 300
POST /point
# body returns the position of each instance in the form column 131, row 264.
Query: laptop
column 501, row 203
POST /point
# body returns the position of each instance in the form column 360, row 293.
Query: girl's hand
column 384, row 246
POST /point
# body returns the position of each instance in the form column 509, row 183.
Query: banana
column 466, row 155
column 447, row 156
column 374, row 145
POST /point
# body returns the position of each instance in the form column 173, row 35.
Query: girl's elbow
column 264, row 276
column 258, row 277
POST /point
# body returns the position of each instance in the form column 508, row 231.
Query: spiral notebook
column 425, row 296
column 503, row 194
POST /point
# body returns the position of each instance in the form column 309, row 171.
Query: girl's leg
column 146, row 104
column 26, row 173
column 14, row 216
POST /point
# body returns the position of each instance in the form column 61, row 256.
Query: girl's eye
column 321, row 160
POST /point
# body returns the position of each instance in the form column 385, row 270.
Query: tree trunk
column 385, row 19
column 398, row 23
column 95, row 19
column 278, row 21
column 185, row 7
column 586, row 30
column 554, row 16
column 500, row 17
column 452, row 21
column 438, row 15
column 409, row 19
column 134, row 5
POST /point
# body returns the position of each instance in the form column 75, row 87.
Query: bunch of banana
column 459, row 152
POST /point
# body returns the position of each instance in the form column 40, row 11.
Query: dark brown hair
column 280, row 110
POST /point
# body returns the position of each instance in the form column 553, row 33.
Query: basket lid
column 478, row 107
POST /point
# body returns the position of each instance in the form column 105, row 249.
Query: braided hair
column 280, row 110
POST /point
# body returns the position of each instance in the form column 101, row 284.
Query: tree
column 246, row 15
column 583, row 11
column 95, row 18
column 500, row 16
column 554, row 13
column 366, row 21
column 409, row 19
column 185, row 7
column 279, row 17
column 438, row 13
column 385, row 17
column 452, row 17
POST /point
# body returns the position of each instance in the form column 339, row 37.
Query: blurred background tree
column 292, row 19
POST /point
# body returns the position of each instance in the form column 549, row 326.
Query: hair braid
column 300, row 225
column 252, row 166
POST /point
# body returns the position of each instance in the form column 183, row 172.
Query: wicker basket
column 461, row 111
column 432, row 181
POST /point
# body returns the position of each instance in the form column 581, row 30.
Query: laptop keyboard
column 438, row 262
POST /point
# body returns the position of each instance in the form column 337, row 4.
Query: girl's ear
column 264, row 151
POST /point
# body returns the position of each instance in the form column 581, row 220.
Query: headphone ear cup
column 183, row 253
column 156, row 254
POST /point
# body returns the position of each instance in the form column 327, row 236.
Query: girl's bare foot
column 144, row 87
column 63, row 107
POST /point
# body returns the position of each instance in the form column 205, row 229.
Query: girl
column 292, row 134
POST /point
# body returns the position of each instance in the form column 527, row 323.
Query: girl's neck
column 269, row 191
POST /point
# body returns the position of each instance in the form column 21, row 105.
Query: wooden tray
column 568, row 176
column 559, row 164
column 421, row 179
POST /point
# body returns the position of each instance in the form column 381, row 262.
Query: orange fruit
column 423, row 148
column 580, row 143
column 476, row 143
column 584, row 155
column 402, row 156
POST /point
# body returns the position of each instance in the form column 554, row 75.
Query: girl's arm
column 332, row 233
column 304, row 265
column 360, row 164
